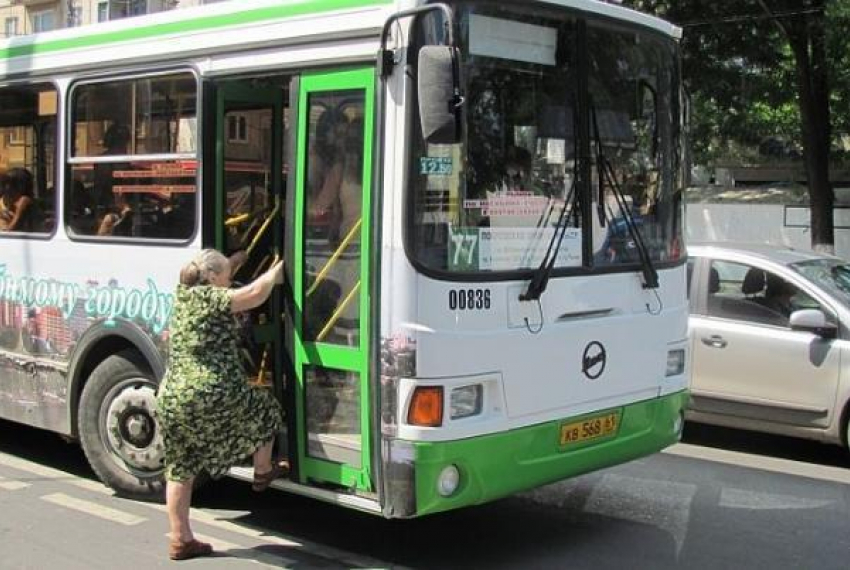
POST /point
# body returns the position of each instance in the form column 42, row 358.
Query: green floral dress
column 209, row 416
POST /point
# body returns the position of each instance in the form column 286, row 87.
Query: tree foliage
column 768, row 70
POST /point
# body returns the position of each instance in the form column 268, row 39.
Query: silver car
column 770, row 340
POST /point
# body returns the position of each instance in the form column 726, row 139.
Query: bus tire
column 117, row 429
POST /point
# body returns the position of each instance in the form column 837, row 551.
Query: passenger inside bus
column 517, row 170
column 339, row 203
column 341, row 192
column 18, row 212
column 324, row 170
column 117, row 219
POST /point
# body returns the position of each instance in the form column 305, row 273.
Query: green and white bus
column 479, row 205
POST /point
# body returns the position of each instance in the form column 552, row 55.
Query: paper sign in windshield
column 506, row 249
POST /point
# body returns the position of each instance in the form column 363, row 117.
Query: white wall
column 761, row 223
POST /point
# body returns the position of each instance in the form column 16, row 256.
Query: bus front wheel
column 117, row 428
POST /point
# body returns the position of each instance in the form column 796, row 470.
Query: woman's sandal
column 179, row 550
column 263, row 480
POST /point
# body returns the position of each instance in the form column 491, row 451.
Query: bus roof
column 200, row 28
column 618, row 12
column 212, row 28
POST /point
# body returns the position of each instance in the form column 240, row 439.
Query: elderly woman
column 209, row 415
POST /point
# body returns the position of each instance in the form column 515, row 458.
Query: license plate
column 590, row 428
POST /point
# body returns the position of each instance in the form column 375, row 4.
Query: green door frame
column 313, row 353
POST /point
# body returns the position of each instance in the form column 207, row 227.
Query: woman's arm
column 329, row 192
column 256, row 292
column 19, row 210
column 237, row 259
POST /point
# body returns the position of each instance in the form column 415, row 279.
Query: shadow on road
column 765, row 444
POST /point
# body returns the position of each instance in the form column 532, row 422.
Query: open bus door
column 330, row 276
column 249, row 201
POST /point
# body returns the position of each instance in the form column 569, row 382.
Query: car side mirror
column 813, row 321
column 438, row 90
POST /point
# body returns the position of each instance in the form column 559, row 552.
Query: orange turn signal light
column 426, row 407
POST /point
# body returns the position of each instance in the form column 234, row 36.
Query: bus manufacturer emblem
column 594, row 359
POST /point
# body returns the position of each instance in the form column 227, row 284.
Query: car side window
column 747, row 293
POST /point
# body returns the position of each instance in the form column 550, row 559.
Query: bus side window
column 27, row 151
column 133, row 165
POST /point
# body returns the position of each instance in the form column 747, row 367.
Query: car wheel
column 117, row 428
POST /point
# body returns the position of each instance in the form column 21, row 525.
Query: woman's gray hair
column 198, row 271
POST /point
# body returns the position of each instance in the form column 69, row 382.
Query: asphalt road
column 769, row 503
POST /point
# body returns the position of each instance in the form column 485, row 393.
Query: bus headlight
column 448, row 481
column 675, row 362
column 466, row 401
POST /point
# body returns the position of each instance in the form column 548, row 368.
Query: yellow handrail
column 338, row 313
column 235, row 220
column 344, row 244
column 264, row 227
column 262, row 264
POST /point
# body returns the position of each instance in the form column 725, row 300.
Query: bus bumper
column 497, row 465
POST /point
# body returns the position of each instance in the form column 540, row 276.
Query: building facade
column 21, row 17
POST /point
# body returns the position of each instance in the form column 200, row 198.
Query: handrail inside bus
column 264, row 227
column 338, row 312
column 333, row 258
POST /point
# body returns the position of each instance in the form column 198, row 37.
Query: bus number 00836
column 469, row 299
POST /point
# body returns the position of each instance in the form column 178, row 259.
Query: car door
column 747, row 362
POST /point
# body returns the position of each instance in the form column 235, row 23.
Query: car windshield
column 832, row 275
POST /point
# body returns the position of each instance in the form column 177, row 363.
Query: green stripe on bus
column 288, row 10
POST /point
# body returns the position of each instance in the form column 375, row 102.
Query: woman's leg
column 178, row 498
column 263, row 458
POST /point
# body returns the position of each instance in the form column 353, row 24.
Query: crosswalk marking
column 266, row 536
column 12, row 485
column 51, row 474
column 93, row 509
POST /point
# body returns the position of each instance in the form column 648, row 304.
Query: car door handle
column 714, row 340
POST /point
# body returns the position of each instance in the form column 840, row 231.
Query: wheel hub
column 131, row 428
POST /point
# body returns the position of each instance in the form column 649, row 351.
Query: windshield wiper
column 540, row 279
column 606, row 172
column 541, row 275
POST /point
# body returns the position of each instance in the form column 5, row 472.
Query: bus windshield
column 533, row 78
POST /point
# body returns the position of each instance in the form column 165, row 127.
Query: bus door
column 249, row 202
column 330, row 274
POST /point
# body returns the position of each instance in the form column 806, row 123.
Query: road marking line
column 217, row 544
column 51, row 474
column 268, row 536
column 243, row 552
column 32, row 468
column 265, row 535
column 764, row 463
column 10, row 485
column 662, row 504
column 93, row 509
